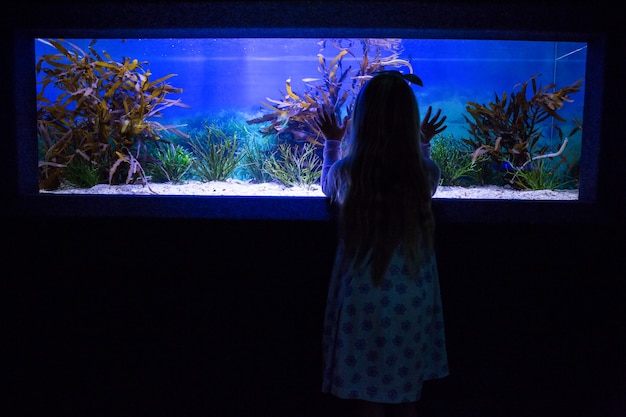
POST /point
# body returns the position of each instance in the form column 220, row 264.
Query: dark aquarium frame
column 326, row 20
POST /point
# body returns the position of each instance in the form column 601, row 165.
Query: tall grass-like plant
column 291, row 166
column 172, row 164
column 256, row 152
column 541, row 177
column 81, row 173
column 457, row 167
column 217, row 154
column 545, row 174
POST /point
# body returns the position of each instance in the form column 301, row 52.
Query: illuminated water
column 221, row 75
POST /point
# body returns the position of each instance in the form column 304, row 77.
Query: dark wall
column 134, row 317
column 186, row 317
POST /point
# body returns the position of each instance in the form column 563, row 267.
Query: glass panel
column 234, row 108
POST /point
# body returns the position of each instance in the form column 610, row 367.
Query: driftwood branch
column 553, row 154
column 548, row 155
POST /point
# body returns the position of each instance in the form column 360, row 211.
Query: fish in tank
column 135, row 115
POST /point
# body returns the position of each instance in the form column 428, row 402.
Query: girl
column 383, row 326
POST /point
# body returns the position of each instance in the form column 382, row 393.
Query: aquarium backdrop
column 128, row 110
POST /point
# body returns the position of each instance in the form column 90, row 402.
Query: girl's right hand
column 326, row 122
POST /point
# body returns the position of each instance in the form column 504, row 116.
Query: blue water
column 218, row 74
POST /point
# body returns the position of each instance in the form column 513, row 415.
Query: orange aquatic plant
column 104, row 112
column 337, row 85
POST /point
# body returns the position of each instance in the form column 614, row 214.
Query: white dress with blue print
column 380, row 343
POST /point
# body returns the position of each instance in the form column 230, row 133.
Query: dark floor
column 225, row 319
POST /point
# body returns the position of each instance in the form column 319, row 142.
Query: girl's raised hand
column 327, row 123
column 431, row 127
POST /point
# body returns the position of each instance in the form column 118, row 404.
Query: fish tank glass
column 231, row 116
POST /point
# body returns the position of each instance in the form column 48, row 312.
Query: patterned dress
column 380, row 343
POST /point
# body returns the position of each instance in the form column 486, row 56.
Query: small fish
column 362, row 77
column 311, row 80
column 397, row 63
column 503, row 166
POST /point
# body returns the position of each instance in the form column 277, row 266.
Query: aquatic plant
column 549, row 171
column 291, row 166
column 171, row 164
column 103, row 112
column 81, row 173
column 543, row 176
column 290, row 117
column 508, row 130
column 217, row 155
column 455, row 162
column 255, row 154
column 133, row 166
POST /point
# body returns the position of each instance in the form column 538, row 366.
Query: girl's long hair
column 386, row 198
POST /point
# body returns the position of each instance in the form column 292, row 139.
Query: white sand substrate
column 242, row 188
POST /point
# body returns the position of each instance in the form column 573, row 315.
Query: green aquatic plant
column 549, row 171
column 104, row 111
column 291, row 166
column 254, row 147
column 256, row 151
column 543, row 176
column 217, row 155
column 81, row 173
column 171, row 164
column 508, row 130
column 455, row 162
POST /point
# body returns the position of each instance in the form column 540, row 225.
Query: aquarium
column 229, row 116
